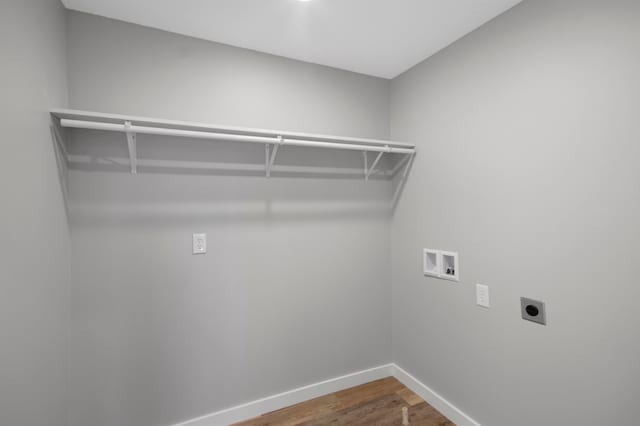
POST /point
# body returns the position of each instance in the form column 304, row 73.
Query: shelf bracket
column 375, row 163
column 272, row 160
column 131, row 142
column 407, row 165
column 400, row 163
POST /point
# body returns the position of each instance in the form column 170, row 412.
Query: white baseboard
column 285, row 399
column 449, row 410
column 295, row 396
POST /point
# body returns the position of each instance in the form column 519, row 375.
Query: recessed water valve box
column 441, row 264
column 533, row 310
column 431, row 262
column 450, row 269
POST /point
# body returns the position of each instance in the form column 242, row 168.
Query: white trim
column 285, row 399
column 275, row 402
column 449, row 410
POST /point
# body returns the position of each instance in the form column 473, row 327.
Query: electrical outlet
column 482, row 295
column 199, row 243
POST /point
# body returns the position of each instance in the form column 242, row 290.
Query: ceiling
column 382, row 38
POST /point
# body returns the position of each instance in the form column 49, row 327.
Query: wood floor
column 375, row 403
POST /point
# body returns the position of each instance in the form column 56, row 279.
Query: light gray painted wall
column 129, row 69
column 34, row 240
column 529, row 133
column 295, row 286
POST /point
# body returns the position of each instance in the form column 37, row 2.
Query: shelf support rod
column 131, row 143
column 232, row 137
column 375, row 163
column 273, row 155
column 366, row 164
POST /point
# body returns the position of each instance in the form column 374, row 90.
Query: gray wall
column 34, row 240
column 529, row 136
column 123, row 68
column 295, row 286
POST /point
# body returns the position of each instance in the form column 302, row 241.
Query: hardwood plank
column 367, row 392
column 409, row 396
column 386, row 410
column 376, row 403
column 296, row 414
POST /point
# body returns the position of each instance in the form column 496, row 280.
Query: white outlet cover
column 199, row 243
column 482, row 296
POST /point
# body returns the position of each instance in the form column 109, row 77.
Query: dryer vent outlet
column 533, row 310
